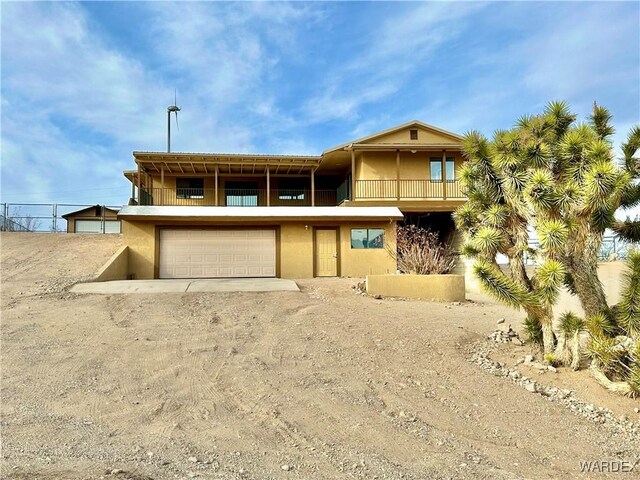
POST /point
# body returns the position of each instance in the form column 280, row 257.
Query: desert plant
column 560, row 178
column 419, row 251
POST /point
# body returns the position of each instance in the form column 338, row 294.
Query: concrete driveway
column 187, row 285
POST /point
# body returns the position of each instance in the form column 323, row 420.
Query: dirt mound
column 320, row 384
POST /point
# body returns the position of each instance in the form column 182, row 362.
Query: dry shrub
column 419, row 251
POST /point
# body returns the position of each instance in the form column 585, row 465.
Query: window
column 367, row 238
column 451, row 169
column 435, row 168
column 241, row 194
column 291, row 189
column 189, row 187
column 413, row 134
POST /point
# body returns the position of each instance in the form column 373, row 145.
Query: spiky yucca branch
column 630, row 229
column 628, row 310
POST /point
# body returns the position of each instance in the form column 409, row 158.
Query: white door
column 217, row 253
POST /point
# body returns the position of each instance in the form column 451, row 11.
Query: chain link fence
column 612, row 248
column 43, row 217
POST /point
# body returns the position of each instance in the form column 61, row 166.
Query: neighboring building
column 244, row 215
column 94, row 219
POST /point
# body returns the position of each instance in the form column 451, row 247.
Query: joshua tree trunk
column 588, row 286
column 562, row 353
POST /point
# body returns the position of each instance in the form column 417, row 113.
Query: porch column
column 215, row 188
column 313, row 188
column 147, row 182
column 444, row 174
column 398, row 175
column 268, row 188
column 353, row 174
column 139, row 179
column 162, row 185
column 133, row 190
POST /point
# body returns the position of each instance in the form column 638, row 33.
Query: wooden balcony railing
column 250, row 197
column 408, row 189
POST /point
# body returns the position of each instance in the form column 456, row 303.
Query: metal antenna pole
column 168, row 131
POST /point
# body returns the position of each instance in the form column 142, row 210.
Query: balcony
column 408, row 190
column 238, row 197
column 365, row 190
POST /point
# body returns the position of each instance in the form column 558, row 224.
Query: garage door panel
column 217, row 253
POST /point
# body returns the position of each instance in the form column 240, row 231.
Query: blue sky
column 85, row 84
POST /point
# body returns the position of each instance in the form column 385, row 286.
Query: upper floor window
column 189, row 187
column 435, row 168
column 241, row 194
column 413, row 134
column 291, row 189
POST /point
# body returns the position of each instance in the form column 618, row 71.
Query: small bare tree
column 420, row 252
column 17, row 222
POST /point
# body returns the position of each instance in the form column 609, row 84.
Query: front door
column 326, row 253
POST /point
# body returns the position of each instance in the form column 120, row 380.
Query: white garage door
column 217, row 253
column 95, row 226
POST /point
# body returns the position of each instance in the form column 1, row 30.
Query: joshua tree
column 560, row 178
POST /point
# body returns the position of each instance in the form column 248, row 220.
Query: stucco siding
column 424, row 136
column 140, row 238
column 295, row 247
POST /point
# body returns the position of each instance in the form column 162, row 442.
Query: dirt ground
column 317, row 384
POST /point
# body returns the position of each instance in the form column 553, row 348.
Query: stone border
column 479, row 354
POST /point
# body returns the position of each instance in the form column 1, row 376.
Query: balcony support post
column 313, row 188
column 353, row 174
column 444, row 174
column 215, row 187
column 398, row 175
column 162, row 199
column 268, row 188
column 139, row 179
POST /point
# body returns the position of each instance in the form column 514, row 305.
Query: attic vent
column 413, row 134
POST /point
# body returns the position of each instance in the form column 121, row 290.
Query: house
column 94, row 219
column 291, row 216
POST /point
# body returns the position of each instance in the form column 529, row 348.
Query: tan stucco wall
column 437, row 287
column 116, row 268
column 296, row 251
column 140, row 238
column 413, row 166
column 296, row 254
column 424, row 136
column 361, row 262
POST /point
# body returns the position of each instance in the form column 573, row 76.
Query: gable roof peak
column 403, row 126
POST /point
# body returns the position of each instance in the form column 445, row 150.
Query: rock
column 286, row 468
column 116, row 471
column 531, row 387
column 378, row 297
column 637, row 410
column 193, row 459
column 528, row 358
column 502, row 320
column 551, row 368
